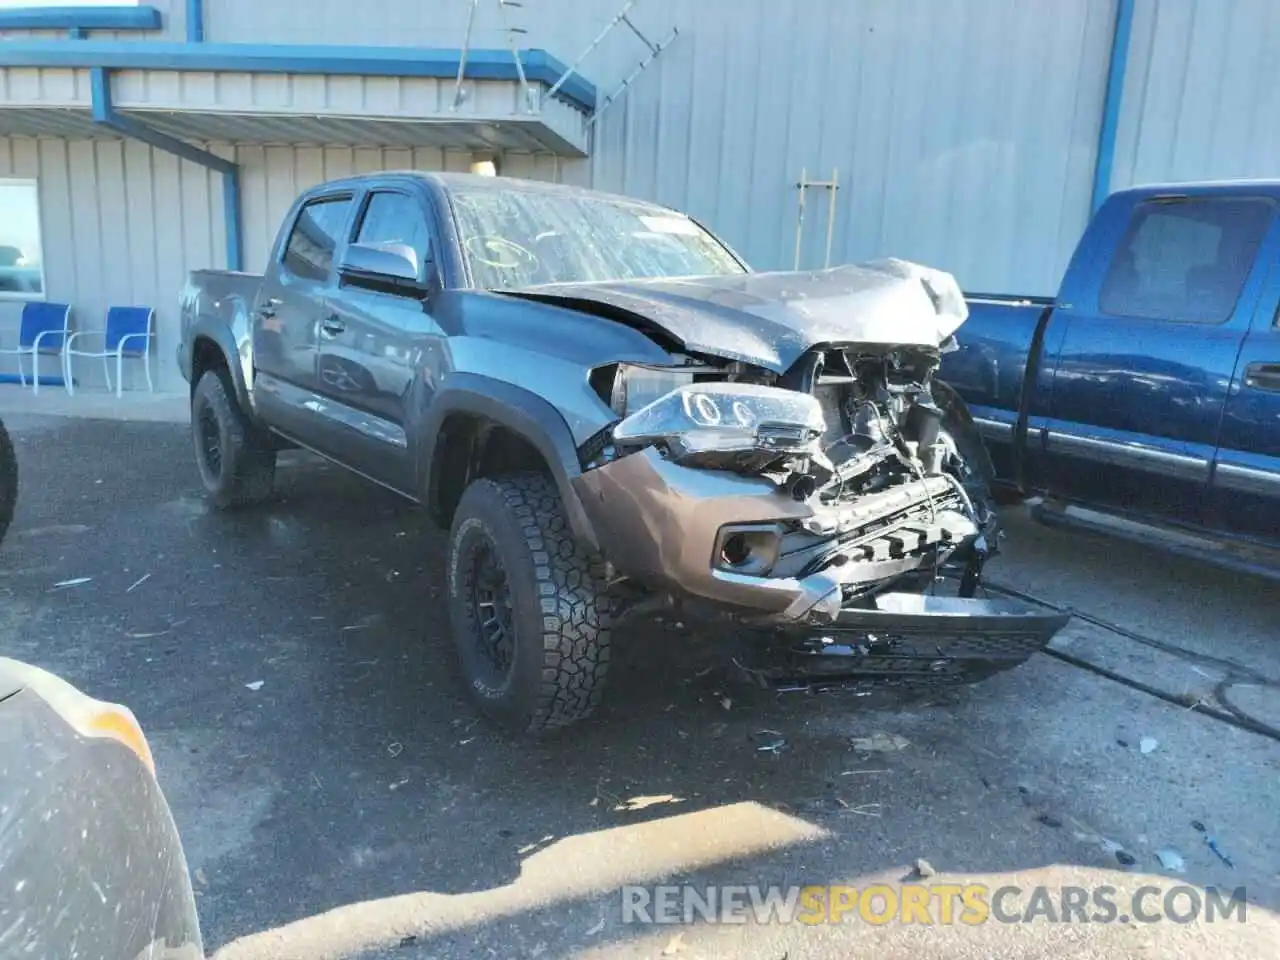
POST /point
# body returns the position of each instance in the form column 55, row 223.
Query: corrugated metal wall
column 964, row 131
column 110, row 229
column 1202, row 94
column 122, row 223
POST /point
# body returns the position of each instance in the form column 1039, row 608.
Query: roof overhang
column 246, row 93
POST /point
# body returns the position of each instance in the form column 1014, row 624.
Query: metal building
column 141, row 140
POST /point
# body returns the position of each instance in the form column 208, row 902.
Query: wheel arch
column 479, row 426
column 212, row 347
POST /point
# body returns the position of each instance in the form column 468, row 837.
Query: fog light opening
column 736, row 550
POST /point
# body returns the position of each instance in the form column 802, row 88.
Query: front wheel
column 8, row 481
column 237, row 464
column 528, row 605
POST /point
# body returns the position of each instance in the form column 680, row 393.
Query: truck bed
column 217, row 303
column 221, row 284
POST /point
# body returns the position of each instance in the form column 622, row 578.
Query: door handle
column 268, row 308
column 1262, row 376
column 332, row 326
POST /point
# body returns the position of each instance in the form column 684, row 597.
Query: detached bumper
column 664, row 524
column 913, row 638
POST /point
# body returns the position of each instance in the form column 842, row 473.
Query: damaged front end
column 830, row 500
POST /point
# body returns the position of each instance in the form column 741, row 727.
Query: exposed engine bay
column 825, row 489
column 851, row 429
column 854, row 433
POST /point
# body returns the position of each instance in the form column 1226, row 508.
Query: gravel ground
column 354, row 806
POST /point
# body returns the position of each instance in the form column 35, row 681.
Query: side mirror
column 392, row 267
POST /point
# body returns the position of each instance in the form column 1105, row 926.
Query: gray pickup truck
column 608, row 410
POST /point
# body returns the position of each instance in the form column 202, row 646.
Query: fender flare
column 211, row 328
column 523, row 413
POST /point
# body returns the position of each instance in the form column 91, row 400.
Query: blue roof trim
column 441, row 64
column 81, row 18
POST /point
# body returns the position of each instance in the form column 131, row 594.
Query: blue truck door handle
column 1263, row 376
column 332, row 325
column 268, row 308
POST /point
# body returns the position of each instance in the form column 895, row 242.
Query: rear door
column 1147, row 354
column 286, row 321
column 372, row 342
column 1245, row 493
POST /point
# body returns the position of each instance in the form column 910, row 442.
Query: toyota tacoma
column 608, row 410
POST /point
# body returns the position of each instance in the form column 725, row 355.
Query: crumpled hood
column 771, row 319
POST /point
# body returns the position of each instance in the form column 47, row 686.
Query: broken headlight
column 726, row 425
column 635, row 387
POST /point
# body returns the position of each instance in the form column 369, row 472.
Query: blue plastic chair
column 43, row 329
column 129, row 333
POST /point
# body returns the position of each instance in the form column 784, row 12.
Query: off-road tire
column 560, row 609
column 8, row 481
column 245, row 470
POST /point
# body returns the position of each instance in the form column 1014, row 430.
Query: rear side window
column 395, row 218
column 1185, row 260
column 315, row 236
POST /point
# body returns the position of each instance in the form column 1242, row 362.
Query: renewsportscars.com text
column 936, row 903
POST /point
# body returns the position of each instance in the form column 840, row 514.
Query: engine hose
column 1231, row 714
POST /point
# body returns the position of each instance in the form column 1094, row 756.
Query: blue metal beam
column 1112, row 102
column 104, row 113
column 81, row 18
column 231, row 218
column 442, row 64
column 195, row 21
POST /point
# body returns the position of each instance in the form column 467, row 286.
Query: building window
column 21, row 259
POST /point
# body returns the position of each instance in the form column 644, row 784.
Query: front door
column 1147, row 356
column 371, row 344
column 286, row 317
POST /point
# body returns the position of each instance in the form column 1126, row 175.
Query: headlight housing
column 723, row 425
column 635, row 387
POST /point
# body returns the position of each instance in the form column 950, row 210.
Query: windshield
column 517, row 238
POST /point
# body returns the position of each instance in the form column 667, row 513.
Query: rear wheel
column 528, row 606
column 237, row 464
column 8, row 480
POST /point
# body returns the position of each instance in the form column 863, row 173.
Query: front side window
column 21, row 258
column 1185, row 260
column 395, row 218
column 315, row 237
column 515, row 237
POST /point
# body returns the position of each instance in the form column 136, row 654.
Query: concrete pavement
column 354, row 806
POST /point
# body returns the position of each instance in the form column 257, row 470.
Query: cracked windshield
column 614, row 480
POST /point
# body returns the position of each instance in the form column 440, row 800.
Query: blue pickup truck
column 1150, row 387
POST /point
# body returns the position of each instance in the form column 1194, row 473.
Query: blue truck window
column 1185, row 260
column 394, row 218
column 309, row 252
